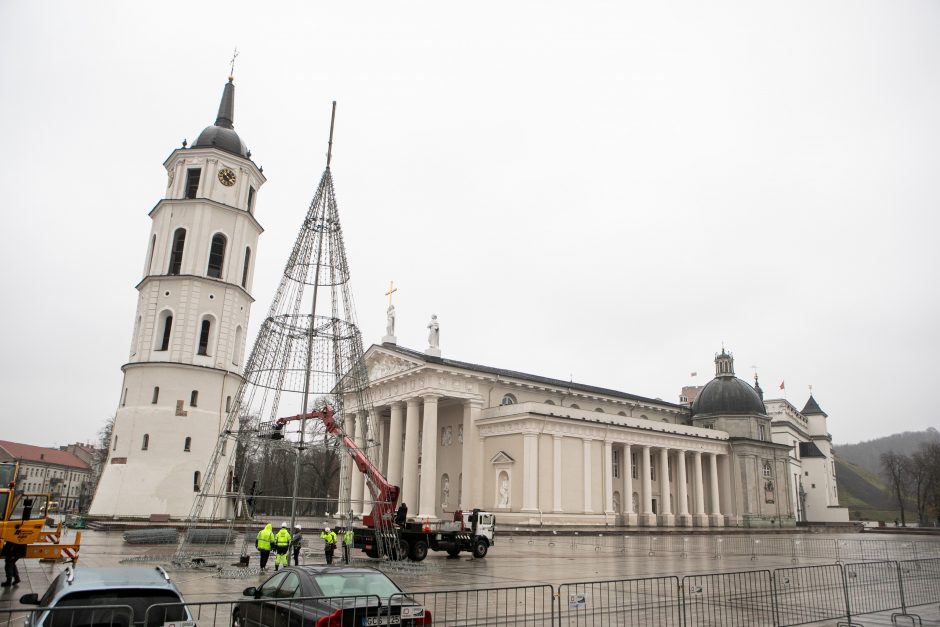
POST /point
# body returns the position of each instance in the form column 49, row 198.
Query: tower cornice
column 176, row 364
column 190, row 277
column 208, row 201
column 222, row 154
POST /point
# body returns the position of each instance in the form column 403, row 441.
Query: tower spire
column 226, row 115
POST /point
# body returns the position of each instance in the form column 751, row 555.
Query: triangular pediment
column 382, row 364
column 502, row 457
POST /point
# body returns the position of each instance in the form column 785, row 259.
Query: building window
column 237, row 349
column 153, row 245
column 167, row 329
column 251, row 199
column 216, row 256
column 549, row 402
column 146, row 443
column 575, row 406
column 115, row 445
column 196, row 478
column 768, row 470
column 187, row 444
column 633, row 466
column 508, row 399
column 156, row 395
column 615, row 463
column 124, row 398
column 761, row 433
column 652, row 472
column 193, row 397
column 176, row 253
column 192, row 182
column 204, row 337
column 228, row 404
column 245, row 268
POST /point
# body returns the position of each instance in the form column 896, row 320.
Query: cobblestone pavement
column 513, row 561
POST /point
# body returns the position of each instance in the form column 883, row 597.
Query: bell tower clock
column 189, row 336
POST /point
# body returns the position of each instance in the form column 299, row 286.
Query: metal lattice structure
column 308, row 353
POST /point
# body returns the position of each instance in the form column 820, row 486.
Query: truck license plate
column 381, row 620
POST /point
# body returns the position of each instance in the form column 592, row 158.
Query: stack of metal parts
column 308, row 353
column 160, row 535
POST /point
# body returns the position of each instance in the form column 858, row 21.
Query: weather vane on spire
column 231, row 74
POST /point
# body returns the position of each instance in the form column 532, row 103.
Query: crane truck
column 387, row 531
column 22, row 527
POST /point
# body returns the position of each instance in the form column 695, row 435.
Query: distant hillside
column 864, row 493
column 867, row 455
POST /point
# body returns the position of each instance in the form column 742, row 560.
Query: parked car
column 118, row 597
column 328, row 596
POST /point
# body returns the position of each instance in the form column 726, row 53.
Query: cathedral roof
column 727, row 394
column 222, row 134
column 809, row 449
column 512, row 374
column 812, row 408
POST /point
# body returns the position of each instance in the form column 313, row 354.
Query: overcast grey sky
column 605, row 191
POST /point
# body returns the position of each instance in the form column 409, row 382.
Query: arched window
column 146, row 443
column 156, row 395
column 193, row 397
column 167, row 318
column 187, row 444
column 598, row 409
column 251, row 199
column 153, row 245
column 124, row 398
column 115, row 443
column 245, row 269
column 204, row 330
column 622, row 413
column 216, row 256
column 176, row 254
column 574, row 406
column 228, row 404
column 549, row 402
column 197, row 477
column 508, row 399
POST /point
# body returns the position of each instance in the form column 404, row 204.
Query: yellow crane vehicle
column 24, row 521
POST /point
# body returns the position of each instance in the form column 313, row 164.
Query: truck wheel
column 402, row 550
column 454, row 552
column 479, row 548
column 419, row 551
column 373, row 553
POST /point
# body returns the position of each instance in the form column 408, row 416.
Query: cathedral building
column 535, row 450
column 188, row 342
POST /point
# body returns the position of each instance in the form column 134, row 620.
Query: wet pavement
column 513, row 561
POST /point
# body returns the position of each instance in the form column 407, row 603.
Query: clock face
column 226, row 177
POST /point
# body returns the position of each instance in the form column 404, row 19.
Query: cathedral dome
column 726, row 394
column 222, row 134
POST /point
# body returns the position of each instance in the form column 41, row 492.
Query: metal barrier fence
column 640, row 602
column 730, row 599
column 523, row 605
column 783, row 597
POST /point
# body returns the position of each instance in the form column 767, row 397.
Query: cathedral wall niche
column 512, row 445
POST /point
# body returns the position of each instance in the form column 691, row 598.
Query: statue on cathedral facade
column 434, row 337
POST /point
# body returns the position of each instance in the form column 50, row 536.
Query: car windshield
column 138, row 600
column 351, row 584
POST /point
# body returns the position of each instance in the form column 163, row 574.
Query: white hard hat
column 297, row 527
column 326, row 529
column 284, row 524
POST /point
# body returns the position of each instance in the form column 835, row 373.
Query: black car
column 328, row 596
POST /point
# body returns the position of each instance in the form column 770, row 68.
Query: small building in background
column 63, row 474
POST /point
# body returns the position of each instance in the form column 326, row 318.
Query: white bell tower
column 189, row 334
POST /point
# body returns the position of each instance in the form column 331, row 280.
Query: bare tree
column 929, row 456
column 895, row 471
column 918, row 484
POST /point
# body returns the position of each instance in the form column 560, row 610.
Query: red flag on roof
column 782, row 386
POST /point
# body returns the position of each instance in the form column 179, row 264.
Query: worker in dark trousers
column 347, row 543
column 329, row 543
column 11, row 553
column 264, row 541
column 297, row 541
column 281, row 547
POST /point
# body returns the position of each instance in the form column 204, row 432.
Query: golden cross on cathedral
column 391, row 290
column 810, row 390
column 232, row 70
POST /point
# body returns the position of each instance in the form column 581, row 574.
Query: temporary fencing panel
column 527, row 605
column 728, row 599
column 640, row 602
column 272, row 611
column 809, row 594
column 920, row 581
column 99, row 615
column 872, row 587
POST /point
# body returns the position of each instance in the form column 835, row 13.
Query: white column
column 699, row 518
column 429, row 495
column 647, row 517
column 684, row 519
column 608, row 478
column 355, row 495
column 530, row 472
column 666, row 519
column 716, row 519
column 629, row 515
column 586, row 447
column 409, row 470
column 371, row 453
column 396, row 429
column 471, row 489
column 556, row 473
